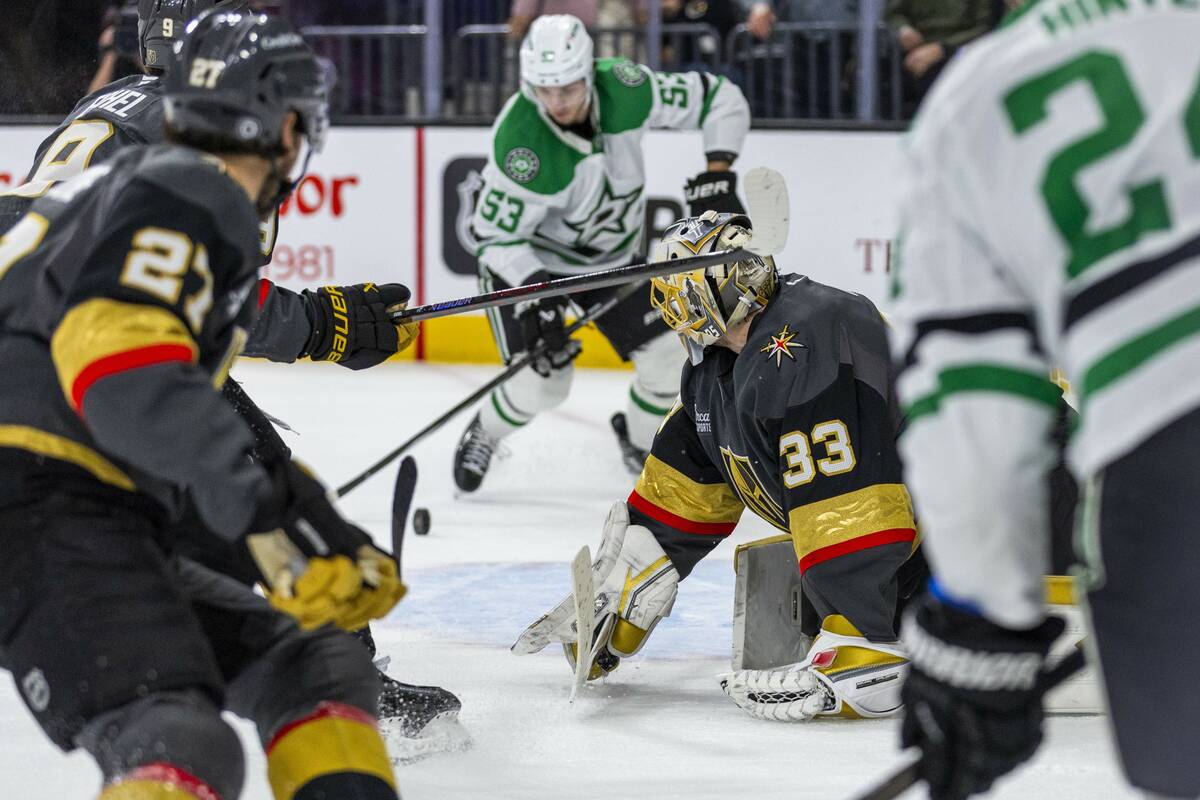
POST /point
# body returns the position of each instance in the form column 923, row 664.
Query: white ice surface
column 657, row 728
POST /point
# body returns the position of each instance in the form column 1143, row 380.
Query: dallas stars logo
column 780, row 346
column 608, row 216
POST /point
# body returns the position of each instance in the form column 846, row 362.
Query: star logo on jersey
column 608, row 215
column 780, row 346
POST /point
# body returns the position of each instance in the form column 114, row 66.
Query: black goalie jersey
column 799, row 428
column 124, row 297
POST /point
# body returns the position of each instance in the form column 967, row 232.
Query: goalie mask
column 701, row 305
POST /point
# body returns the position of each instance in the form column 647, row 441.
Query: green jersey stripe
column 708, row 99
column 985, row 378
column 1119, row 362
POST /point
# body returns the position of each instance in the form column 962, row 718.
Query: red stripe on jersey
column 162, row 772
column 123, row 362
column 893, row 536
column 659, row 514
column 325, row 710
column 264, row 289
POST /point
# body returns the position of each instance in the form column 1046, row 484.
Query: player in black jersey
column 289, row 325
column 130, row 111
column 125, row 294
column 785, row 409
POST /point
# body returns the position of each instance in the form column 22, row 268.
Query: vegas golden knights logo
column 752, row 491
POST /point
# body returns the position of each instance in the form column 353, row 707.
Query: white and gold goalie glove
column 843, row 675
column 635, row 585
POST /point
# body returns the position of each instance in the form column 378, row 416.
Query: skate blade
column 443, row 734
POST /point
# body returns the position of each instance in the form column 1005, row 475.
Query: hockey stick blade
column 402, row 497
column 770, row 210
column 908, row 775
column 584, row 594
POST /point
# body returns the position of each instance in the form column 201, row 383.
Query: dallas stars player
column 124, row 297
column 1051, row 216
column 348, row 325
column 562, row 194
column 786, row 410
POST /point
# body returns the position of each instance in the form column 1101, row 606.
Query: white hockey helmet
column 702, row 304
column 557, row 51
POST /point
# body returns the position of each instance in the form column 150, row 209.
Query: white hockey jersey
column 554, row 201
column 1050, row 218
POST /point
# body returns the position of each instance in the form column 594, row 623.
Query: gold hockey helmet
column 702, row 304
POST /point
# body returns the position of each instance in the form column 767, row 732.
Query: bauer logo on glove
column 353, row 326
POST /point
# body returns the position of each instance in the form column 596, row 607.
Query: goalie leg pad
column 844, row 675
column 635, row 585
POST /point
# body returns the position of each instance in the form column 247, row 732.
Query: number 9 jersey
column 799, row 427
column 125, row 295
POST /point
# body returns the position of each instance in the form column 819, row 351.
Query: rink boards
column 381, row 203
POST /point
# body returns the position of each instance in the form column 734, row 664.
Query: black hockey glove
column 318, row 567
column 545, row 335
column 713, row 191
column 972, row 703
column 353, row 325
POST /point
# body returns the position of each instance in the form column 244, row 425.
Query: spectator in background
column 588, row 11
column 118, row 46
column 929, row 31
column 689, row 53
column 804, row 73
column 761, row 15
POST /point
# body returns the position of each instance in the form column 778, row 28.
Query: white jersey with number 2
column 1050, row 219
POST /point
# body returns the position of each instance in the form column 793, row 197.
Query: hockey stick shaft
column 515, row 366
column 569, row 285
column 908, row 775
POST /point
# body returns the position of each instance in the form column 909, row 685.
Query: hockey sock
column 334, row 752
column 644, row 414
column 499, row 416
column 158, row 781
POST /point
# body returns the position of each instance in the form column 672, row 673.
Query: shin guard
column 334, row 752
column 158, row 781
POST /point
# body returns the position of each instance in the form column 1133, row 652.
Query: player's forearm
column 724, row 120
column 986, row 539
column 283, row 325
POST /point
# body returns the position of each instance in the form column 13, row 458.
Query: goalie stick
column 766, row 195
column 585, row 617
column 907, row 776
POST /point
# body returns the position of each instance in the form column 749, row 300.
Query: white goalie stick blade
column 585, row 612
column 770, row 210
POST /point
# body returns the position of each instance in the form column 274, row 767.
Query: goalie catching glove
column 843, row 675
column 317, row 567
column 635, row 585
column 353, row 325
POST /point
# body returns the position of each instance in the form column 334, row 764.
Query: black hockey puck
column 421, row 521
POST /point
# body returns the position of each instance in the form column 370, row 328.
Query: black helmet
column 237, row 77
column 161, row 24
